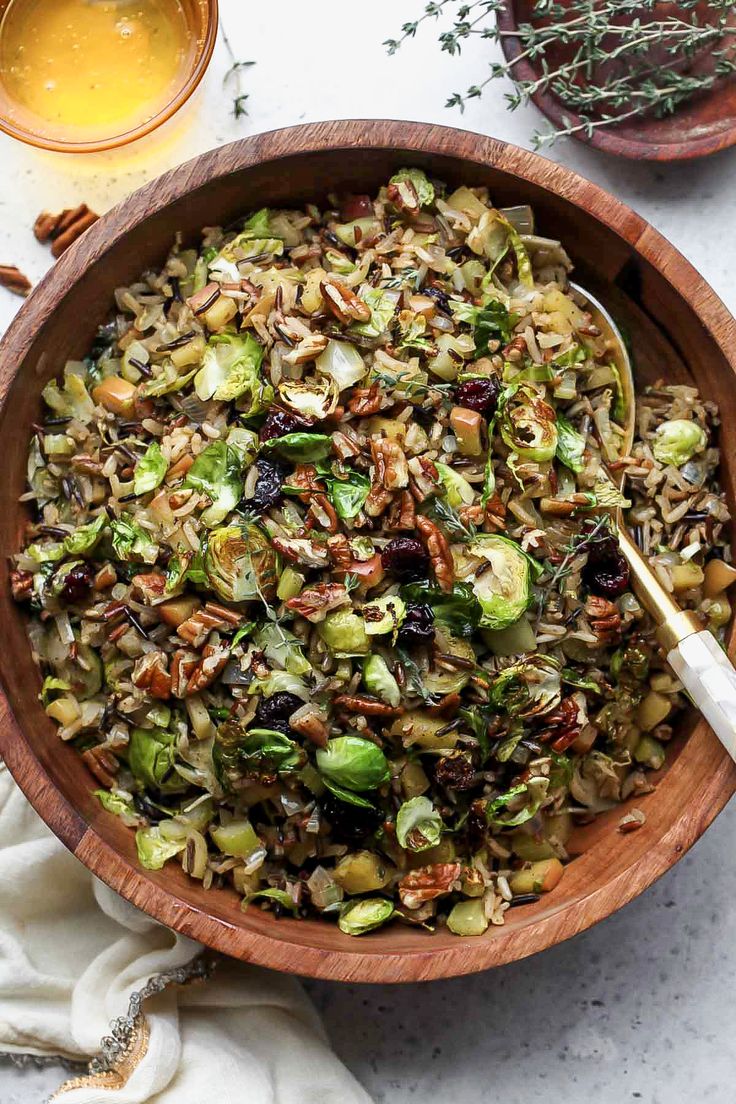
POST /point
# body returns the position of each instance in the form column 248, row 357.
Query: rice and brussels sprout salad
column 322, row 575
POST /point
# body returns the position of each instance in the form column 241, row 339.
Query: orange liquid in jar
column 86, row 70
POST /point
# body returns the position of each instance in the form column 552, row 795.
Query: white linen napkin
column 78, row 963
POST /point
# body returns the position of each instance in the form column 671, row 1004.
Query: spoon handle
column 693, row 653
column 709, row 677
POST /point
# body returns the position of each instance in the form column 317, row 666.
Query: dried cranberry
column 350, row 823
column 405, row 558
column 480, row 395
column 268, row 488
column 606, row 572
column 476, row 825
column 274, row 712
column 278, row 423
column 455, row 771
column 355, row 207
column 418, row 625
column 77, row 583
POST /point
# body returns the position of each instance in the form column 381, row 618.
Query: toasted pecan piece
column 369, row 707
column 14, row 280
column 438, row 549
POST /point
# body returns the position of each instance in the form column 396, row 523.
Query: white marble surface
column 642, row 1007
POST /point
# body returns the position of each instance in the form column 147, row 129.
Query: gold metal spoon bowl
column 694, row 654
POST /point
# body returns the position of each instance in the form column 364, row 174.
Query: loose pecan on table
column 63, row 229
column 14, row 280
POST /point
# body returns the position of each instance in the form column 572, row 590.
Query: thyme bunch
column 611, row 71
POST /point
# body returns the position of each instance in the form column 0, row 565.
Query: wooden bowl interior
column 669, row 340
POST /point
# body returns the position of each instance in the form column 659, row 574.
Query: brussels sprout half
column 504, row 589
column 529, row 426
column 241, row 563
column 677, row 441
column 354, row 763
column 418, row 824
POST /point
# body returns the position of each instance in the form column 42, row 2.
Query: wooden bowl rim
column 611, row 140
column 369, row 961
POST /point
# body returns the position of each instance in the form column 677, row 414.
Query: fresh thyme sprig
column 232, row 78
column 453, row 523
column 600, row 44
column 415, row 387
column 415, row 677
column 578, row 544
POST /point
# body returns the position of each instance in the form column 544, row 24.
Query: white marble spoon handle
column 709, row 677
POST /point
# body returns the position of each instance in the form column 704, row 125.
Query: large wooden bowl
column 675, row 320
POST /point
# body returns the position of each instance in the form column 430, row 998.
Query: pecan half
column 317, row 601
column 369, row 707
column 63, row 229
column 344, row 303
column 377, row 502
column 305, row 478
column 605, row 619
column 402, row 515
column 182, row 665
column 562, row 726
column 438, row 549
column 427, row 882
column 21, row 585
column 423, row 477
column 14, row 280
column 102, row 763
column 313, row 726
column 403, row 195
column 150, row 673
column 308, row 349
column 150, row 588
column 206, row 671
column 322, row 514
column 201, row 623
column 339, row 549
column 365, row 400
column 343, row 447
column 389, row 463
column 302, row 551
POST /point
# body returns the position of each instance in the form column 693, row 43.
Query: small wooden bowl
column 673, row 317
column 705, row 125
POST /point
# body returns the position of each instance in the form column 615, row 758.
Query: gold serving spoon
column 692, row 652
